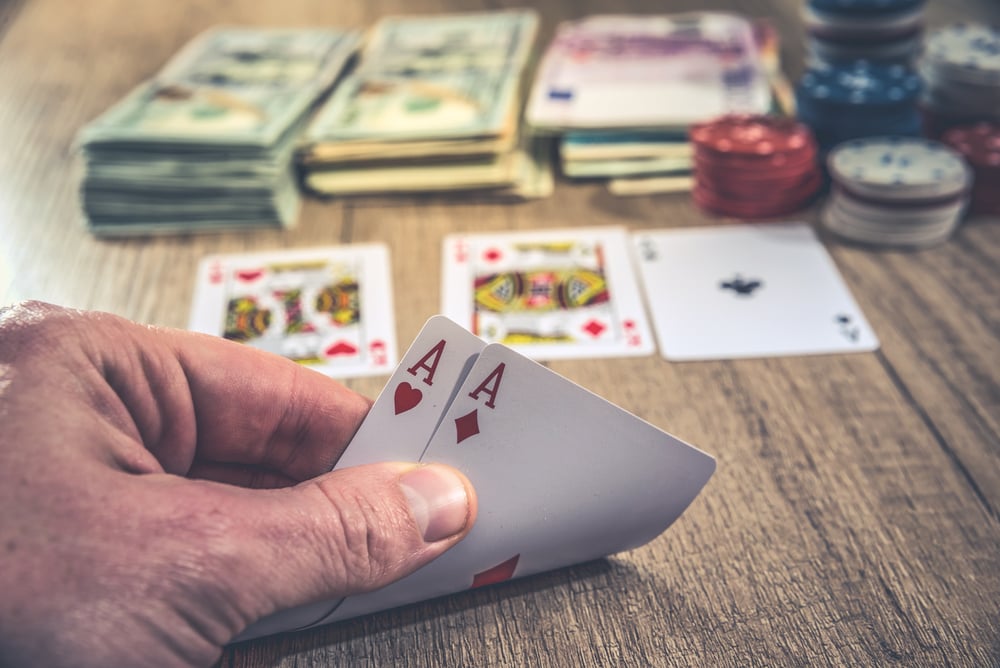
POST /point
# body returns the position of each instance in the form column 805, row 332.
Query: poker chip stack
column 750, row 166
column 841, row 31
column 861, row 100
column 961, row 67
column 979, row 144
column 896, row 191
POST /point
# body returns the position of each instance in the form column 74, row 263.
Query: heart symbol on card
column 341, row 348
column 247, row 275
column 406, row 397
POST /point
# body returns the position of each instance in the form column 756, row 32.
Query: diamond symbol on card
column 499, row 573
column 466, row 426
column 594, row 328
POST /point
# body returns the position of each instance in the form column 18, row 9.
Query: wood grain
column 855, row 515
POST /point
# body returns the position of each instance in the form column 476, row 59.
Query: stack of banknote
column 433, row 105
column 623, row 90
column 208, row 142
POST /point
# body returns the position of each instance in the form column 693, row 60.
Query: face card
column 554, row 294
column 562, row 477
column 327, row 308
column 747, row 291
column 406, row 413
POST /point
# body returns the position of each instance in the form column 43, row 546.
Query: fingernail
column 437, row 500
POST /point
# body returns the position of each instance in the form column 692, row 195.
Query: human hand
column 131, row 532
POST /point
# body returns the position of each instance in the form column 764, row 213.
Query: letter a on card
column 410, row 407
column 467, row 425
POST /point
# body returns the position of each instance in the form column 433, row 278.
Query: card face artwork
column 747, row 291
column 406, row 413
column 549, row 295
column 562, row 476
column 327, row 308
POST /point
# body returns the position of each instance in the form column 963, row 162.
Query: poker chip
column 863, row 99
column 961, row 65
column 754, row 166
column 842, row 31
column 861, row 84
column 979, row 144
column 896, row 191
column 864, row 7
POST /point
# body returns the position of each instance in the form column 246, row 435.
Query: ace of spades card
column 747, row 291
column 562, row 476
column 326, row 308
column 551, row 294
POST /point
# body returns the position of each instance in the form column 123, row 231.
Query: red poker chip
column 979, row 143
column 750, row 135
column 758, row 191
column 761, row 175
column 805, row 152
column 737, row 208
column 777, row 163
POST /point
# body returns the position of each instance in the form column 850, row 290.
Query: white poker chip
column 899, row 168
column 969, row 51
column 895, row 233
column 895, row 217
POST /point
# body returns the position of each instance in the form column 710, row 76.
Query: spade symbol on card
column 741, row 286
column 848, row 329
column 341, row 349
column 499, row 573
column 406, row 397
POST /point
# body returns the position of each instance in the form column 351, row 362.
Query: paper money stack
column 209, row 142
column 623, row 90
column 434, row 105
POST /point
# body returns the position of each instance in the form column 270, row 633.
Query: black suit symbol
column 741, row 286
column 850, row 331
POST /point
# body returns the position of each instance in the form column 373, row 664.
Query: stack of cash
column 434, row 105
column 623, row 90
column 208, row 143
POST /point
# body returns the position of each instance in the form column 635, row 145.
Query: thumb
column 342, row 533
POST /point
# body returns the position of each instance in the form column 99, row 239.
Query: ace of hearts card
column 327, row 308
column 552, row 294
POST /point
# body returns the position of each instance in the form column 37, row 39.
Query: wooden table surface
column 855, row 515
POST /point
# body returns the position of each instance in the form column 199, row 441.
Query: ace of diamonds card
column 551, row 294
column 328, row 308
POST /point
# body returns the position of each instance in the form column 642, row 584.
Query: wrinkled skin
column 161, row 490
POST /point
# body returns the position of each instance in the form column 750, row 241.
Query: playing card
column 562, row 477
column 747, row 291
column 327, row 308
column 549, row 295
column 398, row 425
column 409, row 408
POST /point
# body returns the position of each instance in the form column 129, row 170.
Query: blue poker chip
column 864, row 7
column 861, row 83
